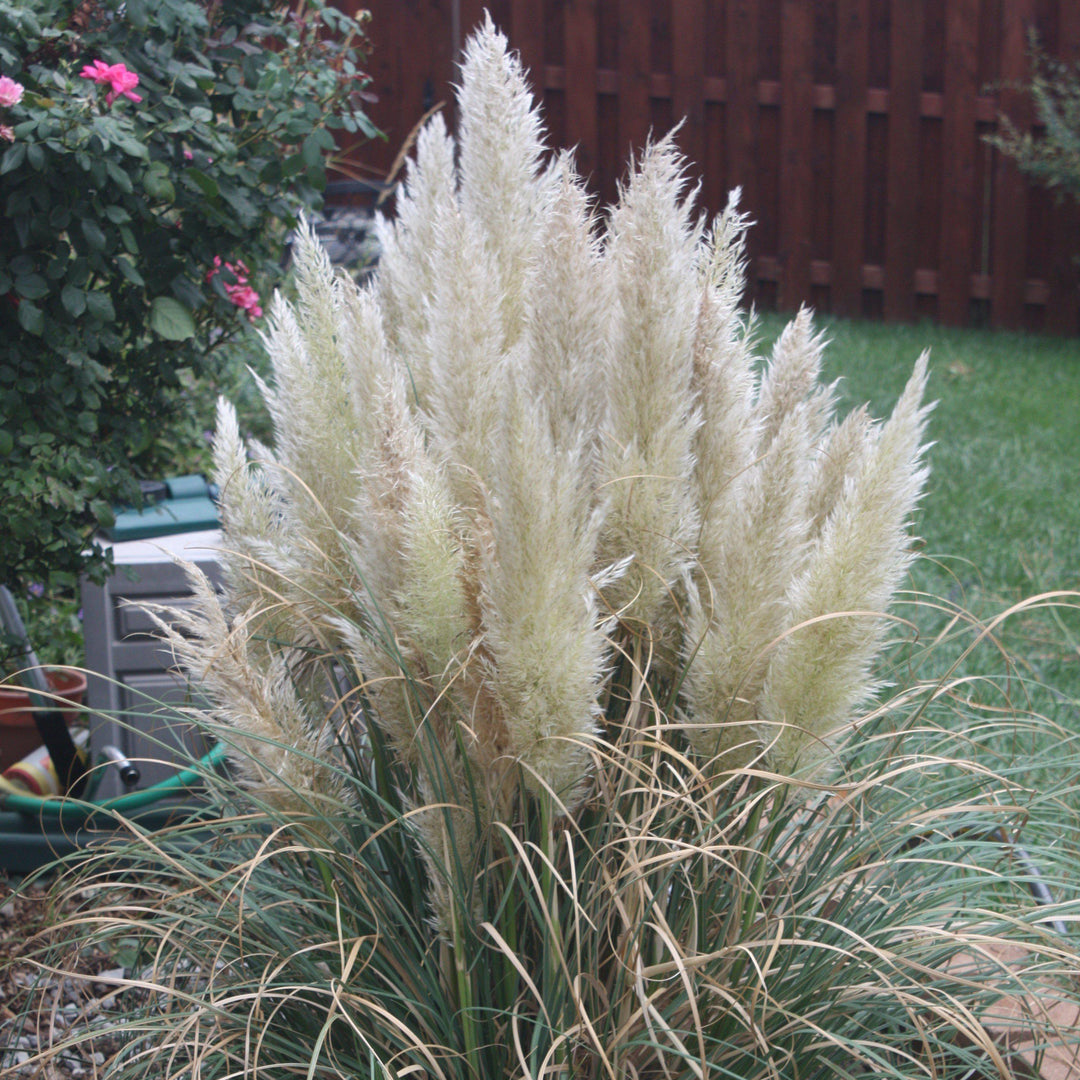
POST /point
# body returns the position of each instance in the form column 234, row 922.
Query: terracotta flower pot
column 18, row 733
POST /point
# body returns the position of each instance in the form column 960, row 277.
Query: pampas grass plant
column 549, row 666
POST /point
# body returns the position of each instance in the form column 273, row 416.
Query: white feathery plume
column 361, row 337
column 647, row 441
column 248, row 508
column 431, row 609
column 315, row 441
column 569, row 317
column 500, row 147
column 544, row 651
column 841, row 455
column 737, row 617
column 282, row 746
column 822, row 669
column 316, row 301
column 466, row 345
column 725, row 387
column 792, row 377
column 407, row 274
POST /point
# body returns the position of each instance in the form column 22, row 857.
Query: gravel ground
column 39, row 1010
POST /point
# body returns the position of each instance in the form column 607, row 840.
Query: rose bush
column 150, row 149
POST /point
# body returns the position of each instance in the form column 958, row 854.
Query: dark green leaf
column 13, row 157
column 95, row 237
column 135, row 10
column 159, row 186
column 74, row 300
column 127, row 269
column 100, row 305
column 31, row 286
column 316, row 177
column 207, row 184
column 119, row 177
column 103, row 513
column 312, row 151
column 187, row 292
column 31, row 318
column 171, row 320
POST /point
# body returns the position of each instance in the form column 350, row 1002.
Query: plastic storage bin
column 134, row 686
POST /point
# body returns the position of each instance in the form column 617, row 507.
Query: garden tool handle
column 32, row 677
column 129, row 774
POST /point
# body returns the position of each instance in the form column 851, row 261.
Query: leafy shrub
column 149, row 138
column 1051, row 157
column 543, row 612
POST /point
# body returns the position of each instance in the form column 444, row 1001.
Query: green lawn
column 1001, row 516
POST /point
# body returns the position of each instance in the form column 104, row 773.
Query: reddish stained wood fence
column 853, row 127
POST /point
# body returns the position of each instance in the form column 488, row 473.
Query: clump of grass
column 676, row 925
column 548, row 665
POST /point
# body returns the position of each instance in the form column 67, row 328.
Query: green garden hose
column 57, row 805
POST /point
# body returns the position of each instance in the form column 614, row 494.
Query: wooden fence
column 854, row 128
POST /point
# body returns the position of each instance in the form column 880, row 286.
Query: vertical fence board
column 580, row 69
column 849, row 161
column 633, row 76
column 1064, row 282
column 796, row 177
column 902, row 187
column 764, row 93
column 741, row 116
column 384, row 67
column 1009, row 226
column 526, row 34
column 465, row 17
column 957, row 239
column 688, row 78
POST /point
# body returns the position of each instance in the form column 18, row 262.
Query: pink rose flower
column 115, row 76
column 239, row 292
column 6, row 133
column 245, row 298
column 11, row 92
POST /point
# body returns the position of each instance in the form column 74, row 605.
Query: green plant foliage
column 113, row 211
column 53, row 623
column 1052, row 156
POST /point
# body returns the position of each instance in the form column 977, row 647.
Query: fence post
column 958, row 195
column 796, row 172
column 1009, row 253
column 902, row 181
column 849, row 160
column 741, row 114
